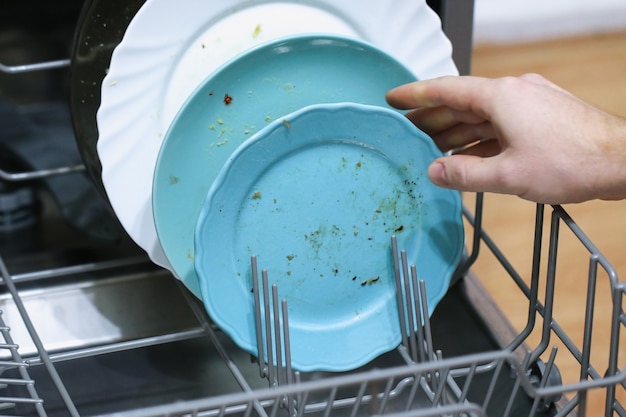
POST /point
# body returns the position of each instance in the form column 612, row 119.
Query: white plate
column 170, row 47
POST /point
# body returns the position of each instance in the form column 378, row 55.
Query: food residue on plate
column 256, row 195
column 257, row 31
column 227, row 99
column 286, row 123
column 370, row 281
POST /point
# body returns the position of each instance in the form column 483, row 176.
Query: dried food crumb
column 256, row 195
column 286, row 123
column 369, row 281
column 227, row 99
column 257, row 31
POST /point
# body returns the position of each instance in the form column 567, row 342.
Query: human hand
column 518, row 135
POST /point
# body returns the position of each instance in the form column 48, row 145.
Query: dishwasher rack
column 424, row 382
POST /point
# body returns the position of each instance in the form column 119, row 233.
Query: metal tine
column 275, row 407
column 277, row 339
column 358, row 399
column 410, row 305
column 263, row 371
column 427, row 330
column 248, row 411
column 418, row 378
column 385, row 396
column 466, row 385
column 514, row 391
column 331, row 399
column 287, row 345
column 268, row 329
column 399, row 299
column 544, row 381
column 438, row 400
column 421, row 313
column 492, row 384
column 302, row 400
column 287, row 341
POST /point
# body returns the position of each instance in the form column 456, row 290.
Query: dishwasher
column 90, row 326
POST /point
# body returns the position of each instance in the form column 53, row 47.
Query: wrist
column 613, row 168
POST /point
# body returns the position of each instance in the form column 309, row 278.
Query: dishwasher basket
column 420, row 381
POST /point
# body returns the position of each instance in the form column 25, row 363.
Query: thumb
column 466, row 173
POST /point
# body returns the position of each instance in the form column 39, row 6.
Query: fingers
column 463, row 135
column 433, row 120
column 463, row 93
column 484, row 148
column 472, row 173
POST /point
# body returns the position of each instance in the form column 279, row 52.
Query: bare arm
column 518, row 135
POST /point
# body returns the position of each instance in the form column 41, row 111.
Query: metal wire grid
column 25, row 382
column 388, row 391
column 590, row 377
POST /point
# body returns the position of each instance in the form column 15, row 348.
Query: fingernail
column 437, row 174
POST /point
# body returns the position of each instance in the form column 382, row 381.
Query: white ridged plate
column 170, row 47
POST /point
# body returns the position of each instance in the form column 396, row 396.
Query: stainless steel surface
column 102, row 311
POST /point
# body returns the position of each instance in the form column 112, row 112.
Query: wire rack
column 424, row 383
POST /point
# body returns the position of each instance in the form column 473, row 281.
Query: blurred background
column 581, row 46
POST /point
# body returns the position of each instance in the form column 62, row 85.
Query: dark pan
column 100, row 28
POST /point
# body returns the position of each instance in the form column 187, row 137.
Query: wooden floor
column 593, row 68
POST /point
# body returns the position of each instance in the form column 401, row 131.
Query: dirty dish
column 170, row 47
column 241, row 98
column 316, row 196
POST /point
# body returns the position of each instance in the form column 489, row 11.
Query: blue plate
column 317, row 195
column 241, row 98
